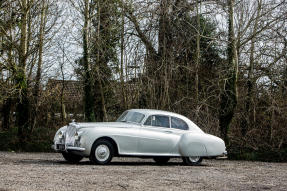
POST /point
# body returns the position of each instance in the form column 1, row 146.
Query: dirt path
column 48, row 171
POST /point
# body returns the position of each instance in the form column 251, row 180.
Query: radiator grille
column 70, row 135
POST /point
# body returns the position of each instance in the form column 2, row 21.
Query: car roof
column 148, row 112
column 158, row 112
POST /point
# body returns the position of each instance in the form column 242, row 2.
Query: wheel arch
column 113, row 142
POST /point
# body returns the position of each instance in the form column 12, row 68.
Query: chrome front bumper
column 67, row 148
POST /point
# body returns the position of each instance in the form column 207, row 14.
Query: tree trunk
column 229, row 93
column 284, row 83
column 39, row 68
column 103, row 105
column 163, row 66
column 6, row 112
column 124, row 100
column 88, row 78
column 63, row 109
column 99, row 62
column 22, row 109
column 197, row 60
column 62, row 96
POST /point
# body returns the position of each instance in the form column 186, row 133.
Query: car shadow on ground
column 87, row 162
column 148, row 164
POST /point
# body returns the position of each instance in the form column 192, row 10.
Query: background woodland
column 221, row 63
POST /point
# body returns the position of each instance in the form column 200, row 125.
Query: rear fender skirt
column 191, row 145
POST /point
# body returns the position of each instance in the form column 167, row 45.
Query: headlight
column 77, row 136
column 60, row 135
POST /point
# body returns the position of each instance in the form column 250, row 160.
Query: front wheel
column 102, row 152
column 192, row 161
column 72, row 158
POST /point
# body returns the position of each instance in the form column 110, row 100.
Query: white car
column 160, row 135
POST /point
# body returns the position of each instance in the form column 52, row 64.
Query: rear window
column 178, row 124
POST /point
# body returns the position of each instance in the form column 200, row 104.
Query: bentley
column 156, row 134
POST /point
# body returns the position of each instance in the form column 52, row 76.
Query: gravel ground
column 48, row 171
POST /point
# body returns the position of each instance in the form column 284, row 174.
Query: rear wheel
column 72, row 158
column 192, row 161
column 161, row 160
column 102, row 152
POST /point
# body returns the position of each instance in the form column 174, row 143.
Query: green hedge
column 40, row 141
column 260, row 155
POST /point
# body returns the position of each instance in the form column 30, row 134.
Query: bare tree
column 229, row 94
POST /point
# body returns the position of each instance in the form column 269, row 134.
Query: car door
column 156, row 137
column 127, row 136
column 127, row 139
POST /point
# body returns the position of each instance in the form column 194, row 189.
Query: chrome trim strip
column 151, row 154
column 75, row 148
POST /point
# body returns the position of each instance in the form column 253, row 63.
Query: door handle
column 168, row 131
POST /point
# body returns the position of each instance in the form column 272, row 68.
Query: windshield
column 131, row 116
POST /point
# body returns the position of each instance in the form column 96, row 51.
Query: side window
column 178, row 124
column 160, row 121
column 148, row 121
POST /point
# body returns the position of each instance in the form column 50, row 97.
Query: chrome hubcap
column 194, row 159
column 102, row 153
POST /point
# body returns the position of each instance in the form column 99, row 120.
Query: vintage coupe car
column 138, row 132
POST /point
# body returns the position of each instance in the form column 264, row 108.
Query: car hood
column 106, row 124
